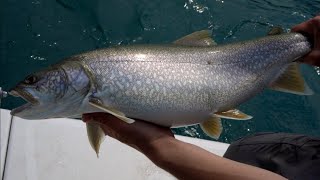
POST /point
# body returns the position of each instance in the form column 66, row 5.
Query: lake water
column 37, row 33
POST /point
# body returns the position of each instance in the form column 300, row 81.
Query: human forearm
column 174, row 156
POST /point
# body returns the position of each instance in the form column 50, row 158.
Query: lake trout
column 192, row 81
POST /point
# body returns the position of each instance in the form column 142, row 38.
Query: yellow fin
column 198, row 38
column 212, row 127
column 98, row 104
column 291, row 81
column 234, row 114
column 95, row 136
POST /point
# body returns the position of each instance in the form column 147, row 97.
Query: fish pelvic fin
column 212, row 127
column 291, row 81
column 234, row 114
column 95, row 135
column 198, row 38
column 98, row 104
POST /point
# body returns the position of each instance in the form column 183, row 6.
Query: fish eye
column 30, row 79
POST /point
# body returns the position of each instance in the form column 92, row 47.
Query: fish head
column 57, row 91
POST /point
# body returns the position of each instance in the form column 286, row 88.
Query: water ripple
column 70, row 5
column 253, row 23
column 192, row 4
column 317, row 70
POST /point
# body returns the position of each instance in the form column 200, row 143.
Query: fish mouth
column 30, row 99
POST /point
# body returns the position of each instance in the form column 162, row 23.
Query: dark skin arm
column 311, row 28
column 183, row 160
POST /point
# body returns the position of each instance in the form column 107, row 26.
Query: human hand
column 311, row 28
column 139, row 135
column 182, row 160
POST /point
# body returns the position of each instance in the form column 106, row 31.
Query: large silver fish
column 192, row 81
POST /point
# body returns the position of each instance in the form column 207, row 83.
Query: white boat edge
column 59, row 149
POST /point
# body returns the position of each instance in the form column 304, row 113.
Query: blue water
column 37, row 33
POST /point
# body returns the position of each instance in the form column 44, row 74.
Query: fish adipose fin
column 212, row 127
column 198, row 38
column 291, row 81
column 276, row 31
column 98, row 104
column 95, row 136
column 234, row 114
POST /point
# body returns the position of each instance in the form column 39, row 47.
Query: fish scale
column 170, row 96
column 220, row 78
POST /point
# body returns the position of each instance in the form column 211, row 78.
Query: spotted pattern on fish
column 158, row 80
column 169, row 85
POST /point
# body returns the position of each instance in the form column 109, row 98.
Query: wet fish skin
column 169, row 85
column 174, row 85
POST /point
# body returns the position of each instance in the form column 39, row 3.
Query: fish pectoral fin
column 198, row 38
column 212, row 127
column 291, row 81
column 234, row 114
column 98, row 104
column 95, row 136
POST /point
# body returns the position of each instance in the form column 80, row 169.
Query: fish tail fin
column 291, row 81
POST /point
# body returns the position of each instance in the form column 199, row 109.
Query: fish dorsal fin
column 198, row 38
column 95, row 136
column 234, row 114
column 98, row 104
column 275, row 31
column 291, row 81
column 212, row 127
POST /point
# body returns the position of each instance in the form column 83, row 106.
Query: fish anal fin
column 291, row 81
column 95, row 135
column 234, row 114
column 198, row 38
column 98, row 104
column 212, row 127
